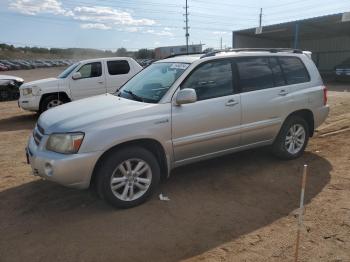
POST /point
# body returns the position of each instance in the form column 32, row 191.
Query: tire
column 50, row 102
column 287, row 137
column 135, row 185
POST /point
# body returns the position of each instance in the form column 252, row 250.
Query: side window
column 254, row 73
column 294, row 70
column 213, row 79
column 119, row 67
column 91, row 70
column 277, row 72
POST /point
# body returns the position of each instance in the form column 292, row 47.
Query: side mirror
column 186, row 96
column 76, row 76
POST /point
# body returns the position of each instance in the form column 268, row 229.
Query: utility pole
column 260, row 18
column 258, row 30
column 186, row 27
column 221, row 43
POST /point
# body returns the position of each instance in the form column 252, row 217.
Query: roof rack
column 197, row 53
column 271, row 50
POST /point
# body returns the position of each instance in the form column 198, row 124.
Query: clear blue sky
column 110, row 24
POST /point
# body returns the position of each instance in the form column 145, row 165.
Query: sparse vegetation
column 12, row 52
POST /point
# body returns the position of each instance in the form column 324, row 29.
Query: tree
column 145, row 53
column 122, row 52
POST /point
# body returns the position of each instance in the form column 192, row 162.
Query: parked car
column 80, row 80
column 22, row 64
column 10, row 65
column 51, row 63
column 3, row 67
column 27, row 64
column 178, row 111
column 342, row 71
column 9, row 87
column 31, row 63
column 65, row 62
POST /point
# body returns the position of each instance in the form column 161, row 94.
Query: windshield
column 68, row 70
column 151, row 84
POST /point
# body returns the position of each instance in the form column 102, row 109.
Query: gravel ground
column 239, row 207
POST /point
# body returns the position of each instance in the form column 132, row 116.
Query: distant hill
column 12, row 52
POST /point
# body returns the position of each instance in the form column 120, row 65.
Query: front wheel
column 127, row 177
column 292, row 138
column 50, row 102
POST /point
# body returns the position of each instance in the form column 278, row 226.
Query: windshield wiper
column 136, row 97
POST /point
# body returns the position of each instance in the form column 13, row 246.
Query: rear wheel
column 292, row 138
column 127, row 177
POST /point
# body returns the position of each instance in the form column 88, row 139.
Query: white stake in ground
column 301, row 212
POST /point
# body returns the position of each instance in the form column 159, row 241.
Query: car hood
column 47, row 82
column 7, row 77
column 90, row 112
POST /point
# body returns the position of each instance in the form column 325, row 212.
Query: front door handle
column 283, row 93
column 100, row 82
column 231, row 102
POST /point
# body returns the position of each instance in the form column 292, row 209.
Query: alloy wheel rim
column 131, row 179
column 295, row 139
column 54, row 103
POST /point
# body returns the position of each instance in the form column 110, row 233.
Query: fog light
column 48, row 169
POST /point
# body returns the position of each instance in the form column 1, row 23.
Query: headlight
column 33, row 90
column 68, row 143
column 27, row 91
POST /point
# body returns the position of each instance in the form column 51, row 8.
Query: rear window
column 277, row 72
column 254, row 73
column 119, row 67
column 294, row 70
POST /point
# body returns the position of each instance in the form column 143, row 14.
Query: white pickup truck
column 82, row 79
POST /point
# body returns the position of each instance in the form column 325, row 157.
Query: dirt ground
column 236, row 208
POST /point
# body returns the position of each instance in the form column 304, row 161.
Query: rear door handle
column 231, row 102
column 283, row 93
column 100, row 82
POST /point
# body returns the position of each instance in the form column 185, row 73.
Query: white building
column 165, row 51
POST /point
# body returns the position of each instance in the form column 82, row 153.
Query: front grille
column 38, row 134
column 41, row 130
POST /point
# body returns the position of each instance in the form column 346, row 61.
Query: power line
column 195, row 14
column 285, row 4
column 311, row 7
column 226, row 4
column 65, row 20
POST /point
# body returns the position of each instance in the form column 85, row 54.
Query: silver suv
column 178, row 111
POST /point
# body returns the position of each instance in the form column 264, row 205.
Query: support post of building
column 296, row 36
column 233, row 40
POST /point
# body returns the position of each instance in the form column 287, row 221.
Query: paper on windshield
column 182, row 66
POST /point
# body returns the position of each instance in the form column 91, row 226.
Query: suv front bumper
column 30, row 103
column 73, row 170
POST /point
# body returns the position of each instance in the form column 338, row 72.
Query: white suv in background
column 83, row 79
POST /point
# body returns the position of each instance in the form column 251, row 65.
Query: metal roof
column 312, row 28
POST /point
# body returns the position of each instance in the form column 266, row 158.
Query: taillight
column 325, row 97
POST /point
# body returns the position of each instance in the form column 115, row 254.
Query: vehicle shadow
column 211, row 203
column 18, row 122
